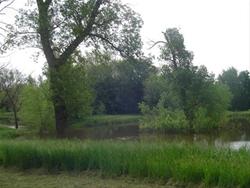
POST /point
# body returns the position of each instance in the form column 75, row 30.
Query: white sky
column 217, row 31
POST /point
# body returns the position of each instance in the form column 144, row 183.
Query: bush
column 160, row 118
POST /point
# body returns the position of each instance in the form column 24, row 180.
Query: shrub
column 160, row 118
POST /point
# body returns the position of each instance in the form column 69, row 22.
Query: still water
column 234, row 139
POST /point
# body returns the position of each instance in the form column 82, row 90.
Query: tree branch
column 10, row 3
column 85, row 32
column 109, row 42
column 156, row 43
column 44, row 31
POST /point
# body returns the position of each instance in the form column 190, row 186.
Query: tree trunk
column 187, row 110
column 15, row 118
column 61, row 116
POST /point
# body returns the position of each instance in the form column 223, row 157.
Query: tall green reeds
column 156, row 161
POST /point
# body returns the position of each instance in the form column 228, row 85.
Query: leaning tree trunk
column 61, row 116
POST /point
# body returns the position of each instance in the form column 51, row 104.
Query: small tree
column 11, row 82
column 37, row 109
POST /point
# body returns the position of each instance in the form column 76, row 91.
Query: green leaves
column 112, row 26
column 174, row 50
column 73, row 86
column 37, row 110
column 239, row 85
column 183, row 87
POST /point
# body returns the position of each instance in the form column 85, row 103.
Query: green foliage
column 118, row 84
column 37, row 111
column 115, row 27
column 8, row 133
column 237, row 121
column 73, row 86
column 159, row 91
column 192, row 92
column 102, row 25
column 160, row 118
column 155, row 161
column 202, row 121
column 183, row 91
column 239, row 85
column 174, row 50
column 11, row 81
column 107, row 120
column 6, row 118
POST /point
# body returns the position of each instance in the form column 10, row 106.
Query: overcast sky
column 217, row 31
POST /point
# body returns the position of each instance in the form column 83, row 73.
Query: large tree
column 59, row 27
column 192, row 88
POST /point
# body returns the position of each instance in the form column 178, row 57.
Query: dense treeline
column 119, row 84
column 239, row 85
column 177, row 95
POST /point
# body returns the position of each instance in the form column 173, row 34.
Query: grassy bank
column 174, row 124
column 13, row 178
column 154, row 161
column 8, row 133
column 107, row 120
column 237, row 120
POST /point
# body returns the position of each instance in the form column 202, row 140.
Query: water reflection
column 239, row 144
column 234, row 139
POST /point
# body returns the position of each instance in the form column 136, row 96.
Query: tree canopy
column 239, row 85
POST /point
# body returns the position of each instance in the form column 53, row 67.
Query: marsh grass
column 155, row 161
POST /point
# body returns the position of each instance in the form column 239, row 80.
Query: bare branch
column 3, row 29
column 156, row 43
column 7, row 5
column 109, row 42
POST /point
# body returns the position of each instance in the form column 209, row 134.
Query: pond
column 232, row 138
